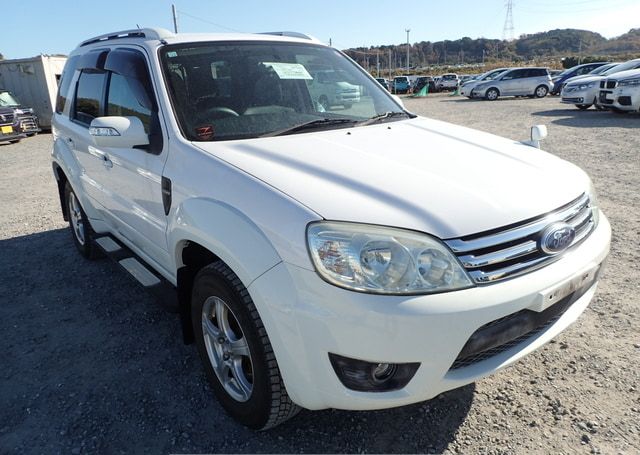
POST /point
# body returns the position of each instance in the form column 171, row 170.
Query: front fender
column 224, row 231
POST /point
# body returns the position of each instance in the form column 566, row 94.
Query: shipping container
column 35, row 82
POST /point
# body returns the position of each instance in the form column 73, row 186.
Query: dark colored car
column 578, row 70
column 7, row 131
column 422, row 81
column 383, row 82
column 25, row 121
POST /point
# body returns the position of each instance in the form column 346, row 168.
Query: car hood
column 586, row 79
column 420, row 174
column 628, row 74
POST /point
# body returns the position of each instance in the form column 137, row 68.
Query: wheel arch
column 61, row 181
column 204, row 231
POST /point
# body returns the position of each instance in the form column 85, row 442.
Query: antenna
column 507, row 31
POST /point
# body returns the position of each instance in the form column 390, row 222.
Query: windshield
column 239, row 90
column 7, row 100
column 630, row 65
column 603, row 68
column 491, row 75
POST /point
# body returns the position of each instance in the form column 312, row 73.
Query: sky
column 56, row 27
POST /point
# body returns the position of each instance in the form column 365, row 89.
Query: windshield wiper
column 385, row 116
column 317, row 123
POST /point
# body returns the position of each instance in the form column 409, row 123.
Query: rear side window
column 65, row 83
column 122, row 101
column 89, row 95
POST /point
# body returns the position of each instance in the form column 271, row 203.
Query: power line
column 209, row 22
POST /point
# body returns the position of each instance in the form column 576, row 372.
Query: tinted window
column 89, row 94
column 515, row 74
column 65, row 82
column 123, row 102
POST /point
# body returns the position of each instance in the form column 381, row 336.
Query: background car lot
column 91, row 363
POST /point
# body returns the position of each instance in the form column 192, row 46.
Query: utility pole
column 408, row 30
column 390, row 78
column 377, row 64
column 175, row 18
column 330, row 44
column 580, row 53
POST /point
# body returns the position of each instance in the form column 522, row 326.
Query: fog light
column 366, row 376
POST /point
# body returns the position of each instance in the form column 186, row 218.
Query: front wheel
column 583, row 107
column 492, row 94
column 541, row 91
column 235, row 349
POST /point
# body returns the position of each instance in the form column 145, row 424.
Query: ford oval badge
column 557, row 237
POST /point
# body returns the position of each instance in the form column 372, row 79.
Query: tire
column 541, row 91
column 583, row 107
column 247, row 382
column 492, row 94
column 324, row 102
column 15, row 141
column 81, row 230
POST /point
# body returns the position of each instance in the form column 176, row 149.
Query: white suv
column 621, row 92
column 353, row 259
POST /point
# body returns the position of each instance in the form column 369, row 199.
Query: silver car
column 531, row 81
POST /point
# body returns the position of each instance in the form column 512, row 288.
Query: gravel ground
column 89, row 363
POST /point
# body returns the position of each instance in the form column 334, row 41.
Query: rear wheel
column 235, row 349
column 492, row 94
column 541, row 91
column 81, row 230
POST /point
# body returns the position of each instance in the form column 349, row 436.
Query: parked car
column 7, row 131
column 583, row 93
column 578, row 70
column 25, row 120
column 448, row 82
column 466, row 87
column 621, row 91
column 595, row 72
column 530, row 81
column 358, row 259
column 383, row 82
column 329, row 88
column 423, row 81
column 401, row 84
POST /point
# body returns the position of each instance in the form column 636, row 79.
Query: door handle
column 106, row 161
column 70, row 142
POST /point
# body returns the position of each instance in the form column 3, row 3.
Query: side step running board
column 136, row 267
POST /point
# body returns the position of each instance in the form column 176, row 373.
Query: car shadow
column 590, row 118
column 99, row 365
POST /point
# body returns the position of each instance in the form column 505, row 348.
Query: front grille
column 514, row 250
column 573, row 100
column 494, row 330
column 7, row 119
column 611, row 84
column 602, row 84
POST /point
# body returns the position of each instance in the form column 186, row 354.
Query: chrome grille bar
column 515, row 250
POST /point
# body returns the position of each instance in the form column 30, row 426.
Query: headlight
column 629, row 82
column 593, row 203
column 383, row 260
column 586, row 86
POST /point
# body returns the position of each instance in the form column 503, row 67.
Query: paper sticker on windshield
column 289, row 70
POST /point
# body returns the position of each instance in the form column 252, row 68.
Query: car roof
column 151, row 37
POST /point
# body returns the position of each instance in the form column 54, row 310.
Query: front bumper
column 622, row 98
column 14, row 135
column 585, row 96
column 307, row 318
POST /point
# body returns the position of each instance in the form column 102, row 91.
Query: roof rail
column 292, row 35
column 153, row 33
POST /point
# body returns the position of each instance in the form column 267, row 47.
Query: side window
column 65, row 83
column 89, row 96
column 510, row 75
column 121, row 101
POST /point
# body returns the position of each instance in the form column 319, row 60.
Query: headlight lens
column 586, row 86
column 383, row 260
column 593, row 203
column 629, row 82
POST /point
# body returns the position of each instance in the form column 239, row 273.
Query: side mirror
column 118, row 132
column 538, row 133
